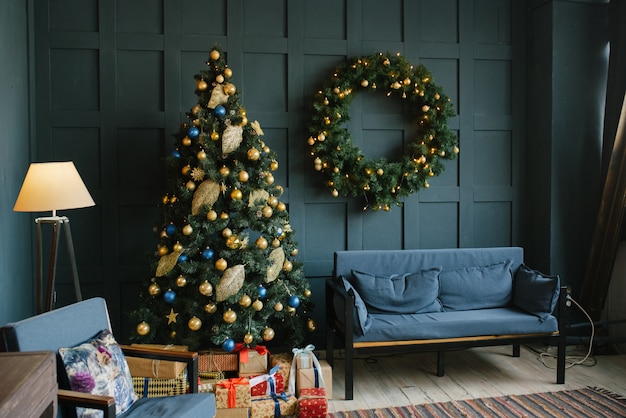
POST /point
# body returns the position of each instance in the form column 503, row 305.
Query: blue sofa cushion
column 399, row 293
column 453, row 324
column 535, row 292
column 482, row 287
column 361, row 320
column 99, row 367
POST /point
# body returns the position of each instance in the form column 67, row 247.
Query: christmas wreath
column 348, row 172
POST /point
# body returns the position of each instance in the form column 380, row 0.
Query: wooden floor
column 410, row 378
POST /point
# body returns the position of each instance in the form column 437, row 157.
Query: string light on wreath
column 347, row 171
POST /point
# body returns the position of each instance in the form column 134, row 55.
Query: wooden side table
column 28, row 387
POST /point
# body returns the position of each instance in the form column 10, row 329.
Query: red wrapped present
column 320, row 376
column 312, row 403
column 274, row 406
column 266, row 384
column 252, row 360
column 233, row 393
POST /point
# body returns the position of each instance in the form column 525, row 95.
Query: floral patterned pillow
column 99, row 367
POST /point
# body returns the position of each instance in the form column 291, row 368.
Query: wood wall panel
column 122, row 73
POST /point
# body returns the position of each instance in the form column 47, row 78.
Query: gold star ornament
column 171, row 317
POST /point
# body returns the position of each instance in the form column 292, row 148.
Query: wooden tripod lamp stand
column 50, row 187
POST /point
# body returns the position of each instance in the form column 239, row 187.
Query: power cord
column 572, row 361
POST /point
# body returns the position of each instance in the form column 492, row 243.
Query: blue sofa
column 437, row 300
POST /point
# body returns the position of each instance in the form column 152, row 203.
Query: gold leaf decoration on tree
column 277, row 258
column 206, row 194
column 218, row 97
column 257, row 128
column 167, row 263
column 231, row 138
column 230, row 283
column 257, row 195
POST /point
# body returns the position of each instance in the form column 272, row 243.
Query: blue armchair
column 72, row 326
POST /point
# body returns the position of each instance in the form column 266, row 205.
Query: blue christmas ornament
column 294, row 301
column 182, row 258
column 220, row 111
column 176, row 154
column 169, row 296
column 228, row 345
column 208, row 254
column 262, row 292
column 170, row 229
column 279, row 231
column 193, row 132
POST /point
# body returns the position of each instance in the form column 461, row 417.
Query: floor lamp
column 50, row 187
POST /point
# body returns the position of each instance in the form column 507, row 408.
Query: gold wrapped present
column 321, row 377
column 253, row 360
column 149, row 387
column 232, row 413
column 283, row 361
column 233, row 393
column 277, row 405
column 160, row 369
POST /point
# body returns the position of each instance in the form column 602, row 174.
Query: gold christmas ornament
column 214, row 55
column 221, row 265
column 181, row 281
column 167, row 263
column 186, row 141
column 191, row 185
column 261, row 243
column 287, row 266
column 224, row 171
column 233, row 242
column 253, row 154
column 268, row 334
column 245, row 301
column 210, row 308
column 208, row 192
column 218, row 97
column 310, row 324
column 230, row 89
column 219, row 78
column 257, row 305
column 228, row 73
column 201, row 85
column 211, row 215
column 171, row 317
column 267, row 211
column 248, row 338
column 206, row 288
column 307, row 293
column 230, row 283
column 278, row 307
column 178, row 247
column 231, row 138
column 243, row 176
column 194, row 323
column 236, row 194
column 258, row 198
column 187, row 229
column 257, row 128
column 143, row 328
column 277, row 258
column 162, row 250
column 154, row 289
column 226, row 232
column 229, row 316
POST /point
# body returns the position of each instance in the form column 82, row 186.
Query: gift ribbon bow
column 269, row 377
column 277, row 397
column 243, row 351
column 232, row 390
column 308, row 351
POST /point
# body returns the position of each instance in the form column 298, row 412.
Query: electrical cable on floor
column 572, row 361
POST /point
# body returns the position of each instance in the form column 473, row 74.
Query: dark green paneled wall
column 114, row 79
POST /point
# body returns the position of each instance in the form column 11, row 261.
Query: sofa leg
column 349, row 373
column 441, row 363
column 516, row 350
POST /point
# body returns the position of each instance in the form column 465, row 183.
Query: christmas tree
column 224, row 271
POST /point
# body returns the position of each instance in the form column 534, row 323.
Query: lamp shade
column 52, row 186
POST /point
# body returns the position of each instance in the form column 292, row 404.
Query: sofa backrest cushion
column 361, row 320
column 479, row 287
column 535, row 292
column 399, row 293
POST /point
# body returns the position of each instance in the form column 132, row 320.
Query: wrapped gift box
column 312, row 403
column 251, row 361
column 273, row 406
column 232, row 413
column 160, row 369
column 217, row 361
column 232, row 393
column 283, row 361
column 265, row 384
column 310, row 378
column 149, row 387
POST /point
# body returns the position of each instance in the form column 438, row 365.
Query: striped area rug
column 577, row 403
